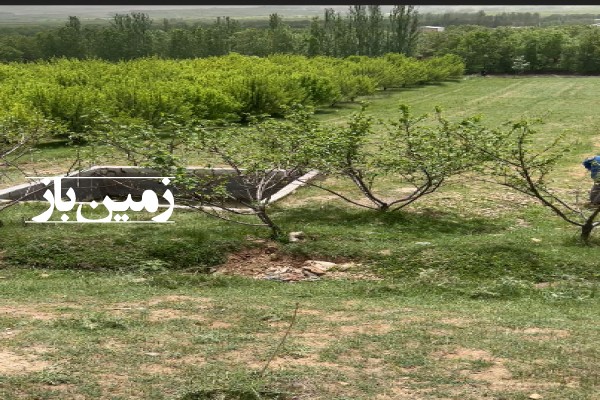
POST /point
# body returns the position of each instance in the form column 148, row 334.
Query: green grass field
column 481, row 292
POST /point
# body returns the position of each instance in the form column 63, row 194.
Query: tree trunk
column 384, row 207
column 586, row 231
column 276, row 232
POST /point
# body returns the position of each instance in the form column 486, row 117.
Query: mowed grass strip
column 136, row 339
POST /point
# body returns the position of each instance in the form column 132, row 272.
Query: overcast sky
column 107, row 11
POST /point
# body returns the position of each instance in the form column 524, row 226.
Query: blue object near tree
column 592, row 164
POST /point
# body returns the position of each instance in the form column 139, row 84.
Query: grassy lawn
column 480, row 292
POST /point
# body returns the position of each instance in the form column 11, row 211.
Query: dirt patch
column 309, row 312
column 161, row 300
column 542, row 333
column 178, row 299
column 168, row 314
column 268, row 262
column 339, row 316
column 220, row 325
column 257, row 261
column 316, row 340
column 11, row 363
column 157, row 369
column 459, row 322
column 366, row 329
column 547, row 331
column 26, row 312
column 496, row 376
column 544, row 285
column 256, row 357
column 462, row 353
column 288, row 362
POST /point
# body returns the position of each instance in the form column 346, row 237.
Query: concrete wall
column 103, row 184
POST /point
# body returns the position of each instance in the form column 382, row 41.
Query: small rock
column 152, row 354
column 296, row 236
column 309, row 274
column 44, row 275
column 321, row 264
column 385, row 252
column 347, row 266
column 282, row 270
column 314, row 269
column 535, row 396
column 292, row 276
column 423, row 243
column 138, row 280
column 274, row 257
column 536, row 240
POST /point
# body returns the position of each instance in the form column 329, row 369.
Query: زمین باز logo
column 116, row 209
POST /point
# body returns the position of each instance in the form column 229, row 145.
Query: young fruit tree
column 19, row 132
column 263, row 157
column 418, row 154
column 516, row 159
column 244, row 165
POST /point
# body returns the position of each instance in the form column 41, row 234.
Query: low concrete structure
column 431, row 28
column 97, row 182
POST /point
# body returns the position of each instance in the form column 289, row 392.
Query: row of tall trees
column 569, row 49
column 363, row 30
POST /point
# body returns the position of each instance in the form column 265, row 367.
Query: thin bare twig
column 287, row 332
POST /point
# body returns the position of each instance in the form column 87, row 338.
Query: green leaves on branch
column 516, row 157
column 418, row 153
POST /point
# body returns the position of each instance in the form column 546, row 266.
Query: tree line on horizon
column 362, row 31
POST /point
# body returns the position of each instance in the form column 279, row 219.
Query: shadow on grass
column 470, row 260
column 427, row 222
column 53, row 144
column 193, row 243
column 341, row 105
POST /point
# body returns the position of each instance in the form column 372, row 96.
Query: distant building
column 429, row 28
